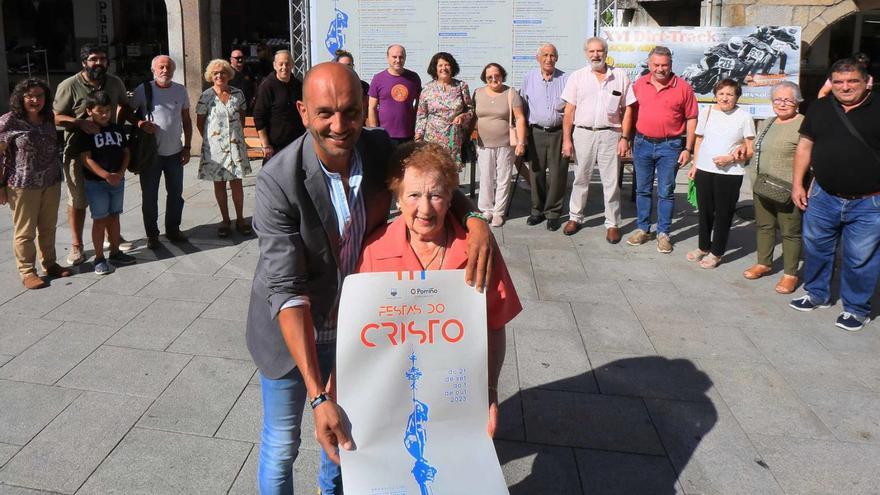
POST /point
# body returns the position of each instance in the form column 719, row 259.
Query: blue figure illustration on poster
column 416, row 436
column 335, row 38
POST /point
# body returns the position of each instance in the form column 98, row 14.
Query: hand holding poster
column 412, row 378
column 757, row 57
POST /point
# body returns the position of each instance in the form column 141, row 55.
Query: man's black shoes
column 534, row 219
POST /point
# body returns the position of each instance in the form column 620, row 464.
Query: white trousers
column 496, row 171
column 591, row 148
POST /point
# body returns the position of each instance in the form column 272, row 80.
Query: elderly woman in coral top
column 426, row 236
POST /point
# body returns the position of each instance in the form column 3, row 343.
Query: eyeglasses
column 494, row 78
column 784, row 101
column 237, row 58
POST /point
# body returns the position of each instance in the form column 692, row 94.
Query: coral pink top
column 388, row 250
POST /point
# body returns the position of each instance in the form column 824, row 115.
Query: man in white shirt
column 167, row 112
column 596, row 123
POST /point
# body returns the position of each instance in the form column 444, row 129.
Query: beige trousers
column 34, row 215
column 76, row 185
column 595, row 148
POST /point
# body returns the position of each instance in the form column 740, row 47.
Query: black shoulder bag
column 768, row 186
column 143, row 146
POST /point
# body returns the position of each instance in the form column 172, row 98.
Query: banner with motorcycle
column 412, row 379
column 758, row 57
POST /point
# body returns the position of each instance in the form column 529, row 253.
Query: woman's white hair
column 787, row 85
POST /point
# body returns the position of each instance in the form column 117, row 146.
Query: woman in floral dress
column 221, row 112
column 445, row 109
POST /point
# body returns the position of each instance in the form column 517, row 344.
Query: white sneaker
column 124, row 246
column 497, row 221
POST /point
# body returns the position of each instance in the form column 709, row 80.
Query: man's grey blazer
column 299, row 240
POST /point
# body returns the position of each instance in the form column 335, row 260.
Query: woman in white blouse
column 725, row 134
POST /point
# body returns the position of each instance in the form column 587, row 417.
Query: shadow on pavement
column 635, row 436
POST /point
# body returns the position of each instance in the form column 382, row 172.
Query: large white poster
column 475, row 32
column 412, row 375
column 758, row 57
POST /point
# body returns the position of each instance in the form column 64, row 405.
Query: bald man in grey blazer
column 315, row 202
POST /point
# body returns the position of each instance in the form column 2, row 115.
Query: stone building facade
column 194, row 25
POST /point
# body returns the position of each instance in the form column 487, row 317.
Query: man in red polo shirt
column 666, row 110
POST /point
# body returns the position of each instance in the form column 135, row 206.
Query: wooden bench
column 252, row 139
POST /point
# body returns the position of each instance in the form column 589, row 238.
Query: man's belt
column 852, row 197
column 594, row 128
column 553, row 128
column 660, row 140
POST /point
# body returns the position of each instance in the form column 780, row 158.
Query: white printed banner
column 475, row 32
column 412, row 378
column 758, row 57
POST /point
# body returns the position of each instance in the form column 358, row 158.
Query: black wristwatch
column 690, row 150
column 317, row 401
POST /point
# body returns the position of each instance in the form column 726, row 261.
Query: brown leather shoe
column 32, row 281
column 571, row 228
column 787, row 284
column 756, row 271
column 612, row 235
column 57, row 270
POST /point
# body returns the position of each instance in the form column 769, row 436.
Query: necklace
column 440, row 249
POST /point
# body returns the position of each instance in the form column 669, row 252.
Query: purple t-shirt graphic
column 397, row 96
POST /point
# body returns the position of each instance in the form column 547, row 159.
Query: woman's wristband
column 473, row 214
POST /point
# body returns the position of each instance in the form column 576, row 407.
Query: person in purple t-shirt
column 393, row 94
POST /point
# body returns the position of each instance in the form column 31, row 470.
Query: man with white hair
column 597, row 123
column 275, row 115
column 165, row 104
column 542, row 90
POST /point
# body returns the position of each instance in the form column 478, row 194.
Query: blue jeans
column 856, row 223
column 104, row 200
column 171, row 167
column 283, row 403
column 662, row 159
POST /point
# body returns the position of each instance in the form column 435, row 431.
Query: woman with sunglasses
column 776, row 144
column 497, row 107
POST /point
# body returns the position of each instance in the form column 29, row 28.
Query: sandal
column 710, row 261
column 696, row 255
column 243, row 228
column 787, row 284
column 223, row 230
column 756, row 271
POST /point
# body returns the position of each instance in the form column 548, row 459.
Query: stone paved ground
column 628, row 372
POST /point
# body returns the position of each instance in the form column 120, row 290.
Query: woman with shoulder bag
column 774, row 158
column 501, row 126
column 724, row 143
column 445, row 108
